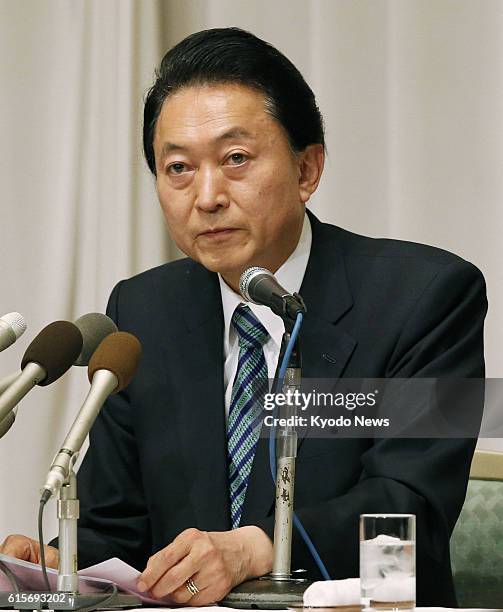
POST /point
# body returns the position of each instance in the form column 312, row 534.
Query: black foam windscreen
column 119, row 353
column 55, row 348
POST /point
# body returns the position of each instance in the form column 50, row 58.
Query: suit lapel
column 325, row 347
column 202, row 422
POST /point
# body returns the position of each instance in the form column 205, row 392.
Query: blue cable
column 281, row 376
column 272, row 451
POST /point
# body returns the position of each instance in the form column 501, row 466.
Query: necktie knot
column 251, row 332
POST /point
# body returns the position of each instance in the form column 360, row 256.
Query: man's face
column 227, row 181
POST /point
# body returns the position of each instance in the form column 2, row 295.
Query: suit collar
column 326, row 348
column 325, row 288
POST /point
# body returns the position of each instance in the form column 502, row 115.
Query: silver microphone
column 111, row 369
column 93, row 327
column 12, row 327
column 48, row 357
column 104, row 383
column 6, row 382
column 8, row 422
column 259, row 286
column 32, row 375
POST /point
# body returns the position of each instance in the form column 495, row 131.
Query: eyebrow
column 231, row 134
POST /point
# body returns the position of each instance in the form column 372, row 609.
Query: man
column 235, row 140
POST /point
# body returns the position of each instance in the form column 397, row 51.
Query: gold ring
column 191, row 587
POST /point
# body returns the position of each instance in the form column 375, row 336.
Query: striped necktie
column 245, row 413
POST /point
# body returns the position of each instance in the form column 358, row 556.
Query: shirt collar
column 289, row 276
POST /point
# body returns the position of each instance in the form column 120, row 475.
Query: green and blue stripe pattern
column 245, row 413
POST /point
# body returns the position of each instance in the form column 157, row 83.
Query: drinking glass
column 388, row 561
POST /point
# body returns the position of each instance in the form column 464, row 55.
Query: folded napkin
column 333, row 593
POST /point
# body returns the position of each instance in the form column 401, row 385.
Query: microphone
column 111, row 369
column 47, row 358
column 12, row 327
column 7, row 382
column 259, row 286
column 7, row 422
column 94, row 328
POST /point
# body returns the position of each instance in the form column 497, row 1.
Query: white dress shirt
column 290, row 277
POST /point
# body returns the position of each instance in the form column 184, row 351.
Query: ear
column 311, row 162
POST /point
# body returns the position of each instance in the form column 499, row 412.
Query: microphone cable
column 41, row 544
column 278, row 384
column 100, row 602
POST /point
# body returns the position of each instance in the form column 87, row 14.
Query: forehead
column 208, row 111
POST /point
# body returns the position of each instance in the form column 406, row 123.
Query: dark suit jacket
column 379, row 308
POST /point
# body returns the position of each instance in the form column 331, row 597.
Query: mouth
column 217, row 232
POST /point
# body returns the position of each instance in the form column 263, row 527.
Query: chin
column 217, row 265
column 225, row 265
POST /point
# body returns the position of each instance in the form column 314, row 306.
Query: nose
column 211, row 191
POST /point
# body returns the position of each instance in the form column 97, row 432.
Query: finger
column 182, row 595
column 20, row 547
column 176, row 578
column 214, row 592
column 166, row 558
column 51, row 557
column 213, row 582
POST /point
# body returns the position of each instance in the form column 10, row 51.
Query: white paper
column 95, row 579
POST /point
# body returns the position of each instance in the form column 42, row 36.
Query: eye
column 236, row 159
column 176, row 168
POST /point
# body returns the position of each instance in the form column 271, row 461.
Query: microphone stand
column 68, row 515
column 68, row 579
column 282, row 587
column 67, row 596
column 286, row 454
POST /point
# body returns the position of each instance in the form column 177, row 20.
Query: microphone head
column 55, row 348
column 16, row 322
column 94, row 327
column 247, row 277
column 118, row 353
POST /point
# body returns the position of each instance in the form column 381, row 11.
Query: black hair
column 232, row 55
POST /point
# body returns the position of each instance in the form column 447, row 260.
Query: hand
column 22, row 547
column 216, row 561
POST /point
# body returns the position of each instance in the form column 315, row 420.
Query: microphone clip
column 288, row 307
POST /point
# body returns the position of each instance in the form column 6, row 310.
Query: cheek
column 275, row 199
column 267, row 193
column 175, row 206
